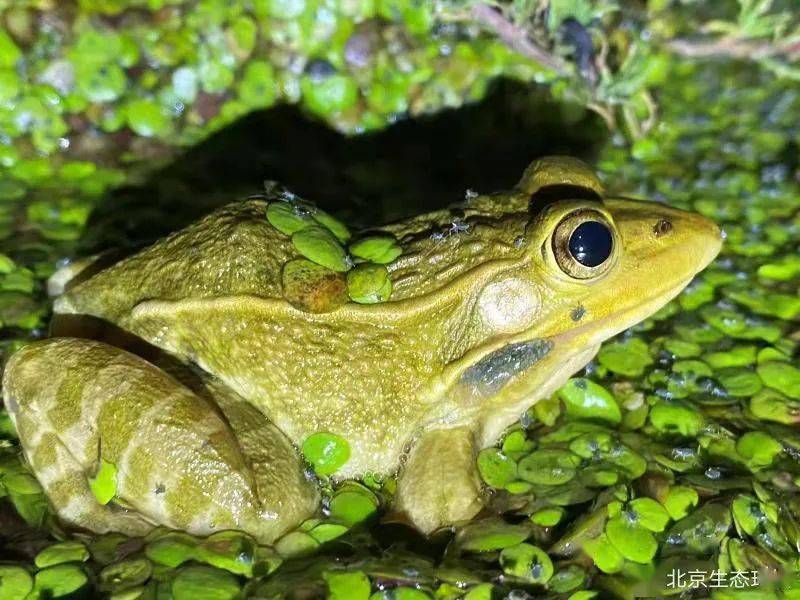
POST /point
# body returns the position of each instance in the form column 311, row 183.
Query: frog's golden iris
column 202, row 380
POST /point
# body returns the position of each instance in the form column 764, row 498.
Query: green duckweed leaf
column 15, row 582
column 230, row 550
column 296, row 544
column 700, row 533
column 311, row 287
column 759, row 449
column 680, row 500
column 59, row 580
column 490, row 534
column 781, row 376
column 172, row 549
column 21, row 483
column 607, row 558
column 549, row 467
column 527, row 562
column 381, row 249
column 327, row 452
column 353, row 503
column 332, row 224
column 747, row 514
column 770, row 405
column 548, row 517
column 628, row 358
column 70, row 551
column 739, row 382
column 496, row 469
column 325, row 532
column 517, row 442
column 649, row 514
column 198, row 581
column 347, row 585
column 125, row 574
column 676, row 417
column 147, row 119
column 289, row 217
column 632, row 540
column 567, row 579
column 369, row 283
column 482, row 591
column 319, row 245
column 585, row 399
column 104, row 483
column 738, row 356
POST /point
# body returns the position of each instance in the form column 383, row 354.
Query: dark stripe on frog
column 492, row 372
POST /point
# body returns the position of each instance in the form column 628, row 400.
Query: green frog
column 187, row 375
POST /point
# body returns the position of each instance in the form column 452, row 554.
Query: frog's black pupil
column 590, row 244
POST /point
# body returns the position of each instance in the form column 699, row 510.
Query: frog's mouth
column 599, row 330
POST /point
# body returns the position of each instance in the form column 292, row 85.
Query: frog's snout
column 669, row 241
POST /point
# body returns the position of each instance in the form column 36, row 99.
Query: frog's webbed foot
column 88, row 411
column 439, row 484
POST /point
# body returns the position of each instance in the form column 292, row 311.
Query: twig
column 516, row 37
column 731, row 47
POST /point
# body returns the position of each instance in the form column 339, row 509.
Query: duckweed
column 104, row 483
column 327, row 452
column 61, row 553
column 759, row 449
column 15, row 582
column 676, row 417
column 77, row 127
column 204, row 582
column 369, row 283
column 549, row 467
column 347, row 585
column 352, row 504
column 496, row 469
column 319, row 245
column 377, row 249
column 628, row 358
column 527, row 562
column 289, row 217
column 585, row 399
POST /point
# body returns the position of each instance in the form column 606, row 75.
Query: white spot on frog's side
column 508, row 305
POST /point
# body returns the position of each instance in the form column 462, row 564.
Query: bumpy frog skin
column 484, row 320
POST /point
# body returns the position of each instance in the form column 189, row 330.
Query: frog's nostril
column 663, row 227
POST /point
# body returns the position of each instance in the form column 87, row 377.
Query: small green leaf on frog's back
column 381, row 249
column 369, row 284
column 319, row 245
column 288, row 217
column 104, row 483
column 332, row 224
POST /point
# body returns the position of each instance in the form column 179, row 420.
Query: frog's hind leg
column 85, row 410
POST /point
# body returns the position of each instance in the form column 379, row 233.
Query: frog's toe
column 119, row 445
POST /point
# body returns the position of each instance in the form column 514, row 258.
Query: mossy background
column 123, row 120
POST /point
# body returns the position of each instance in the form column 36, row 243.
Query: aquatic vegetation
column 676, row 448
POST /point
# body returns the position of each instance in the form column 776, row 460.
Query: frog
column 183, row 378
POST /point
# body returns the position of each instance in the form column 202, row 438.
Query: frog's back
column 231, row 252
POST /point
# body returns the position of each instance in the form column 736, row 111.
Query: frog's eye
column 583, row 243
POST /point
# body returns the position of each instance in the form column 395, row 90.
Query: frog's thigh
column 280, row 474
column 77, row 403
column 439, row 484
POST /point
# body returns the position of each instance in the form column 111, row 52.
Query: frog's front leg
column 157, row 453
column 439, row 484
